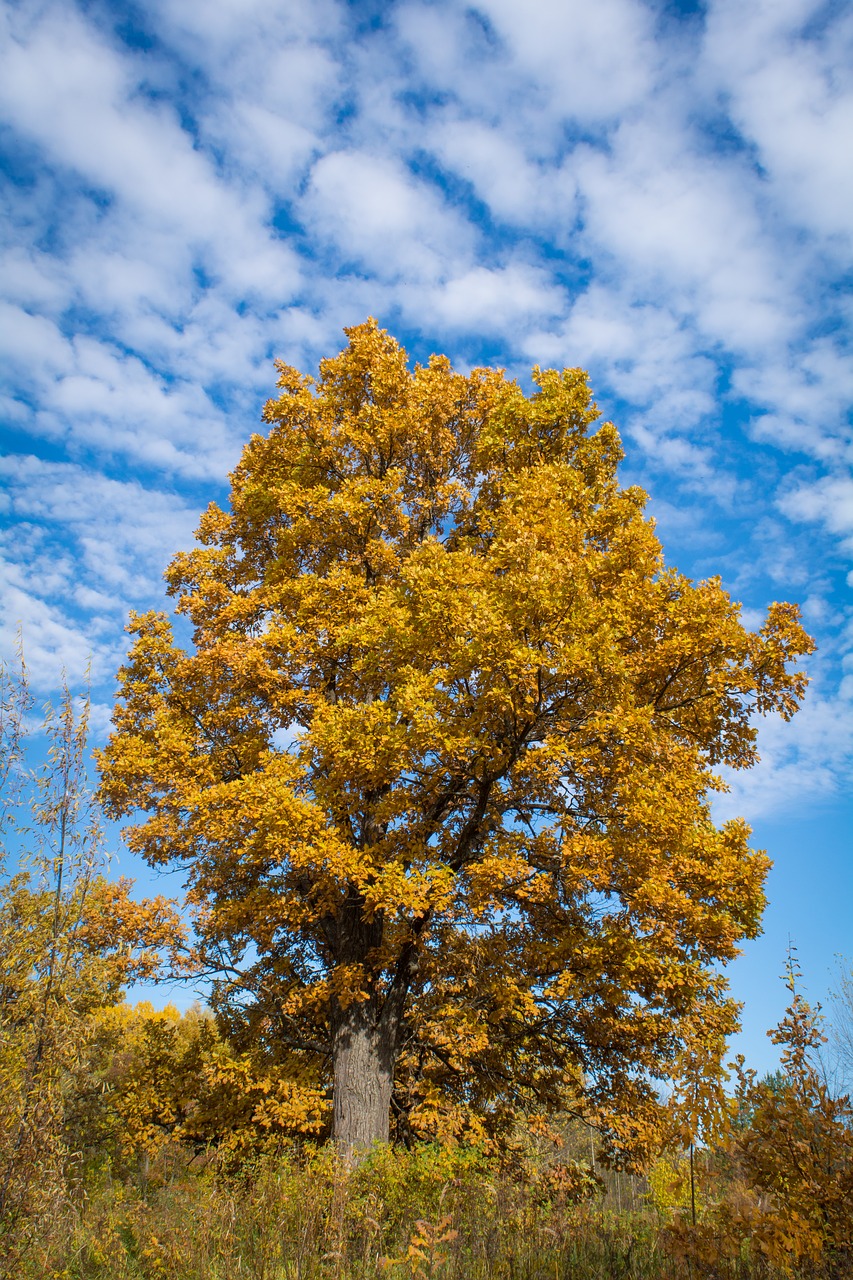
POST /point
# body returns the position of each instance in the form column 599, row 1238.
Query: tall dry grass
column 428, row 1213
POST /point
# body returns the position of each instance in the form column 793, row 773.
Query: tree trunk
column 363, row 1052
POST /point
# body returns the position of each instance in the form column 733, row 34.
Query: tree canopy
column 438, row 761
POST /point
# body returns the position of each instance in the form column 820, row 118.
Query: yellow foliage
column 786, row 1162
column 69, row 941
column 669, row 1184
column 440, row 757
column 158, row 1083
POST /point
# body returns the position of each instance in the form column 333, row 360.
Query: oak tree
column 438, row 760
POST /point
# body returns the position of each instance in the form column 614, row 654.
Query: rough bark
column 363, row 1051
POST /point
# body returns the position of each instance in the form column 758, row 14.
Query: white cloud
column 791, row 94
column 491, row 300
column 828, row 501
column 516, row 189
column 67, row 89
column 450, row 51
column 592, row 60
column 30, row 342
column 268, row 145
column 685, row 226
column 81, row 552
column 31, row 279
column 808, row 397
column 651, row 359
column 53, row 640
column 805, row 762
column 113, row 533
column 383, row 218
column 113, row 402
column 230, row 37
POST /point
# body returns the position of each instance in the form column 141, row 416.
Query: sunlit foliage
column 438, row 762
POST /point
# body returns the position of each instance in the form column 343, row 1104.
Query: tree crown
column 446, row 738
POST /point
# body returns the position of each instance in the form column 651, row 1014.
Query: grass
column 416, row 1215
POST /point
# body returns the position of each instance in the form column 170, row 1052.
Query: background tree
column 69, row 941
column 438, row 762
column 842, row 1023
column 784, row 1181
column 157, row 1090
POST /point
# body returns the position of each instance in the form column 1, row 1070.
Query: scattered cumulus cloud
column 786, row 75
column 805, row 763
column 661, row 199
column 79, row 552
column 589, row 62
column 828, row 501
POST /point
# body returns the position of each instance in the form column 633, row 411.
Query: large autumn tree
column 438, row 760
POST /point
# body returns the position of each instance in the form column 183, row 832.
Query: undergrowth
column 430, row 1213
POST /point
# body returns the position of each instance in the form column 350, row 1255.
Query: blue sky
column 661, row 193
